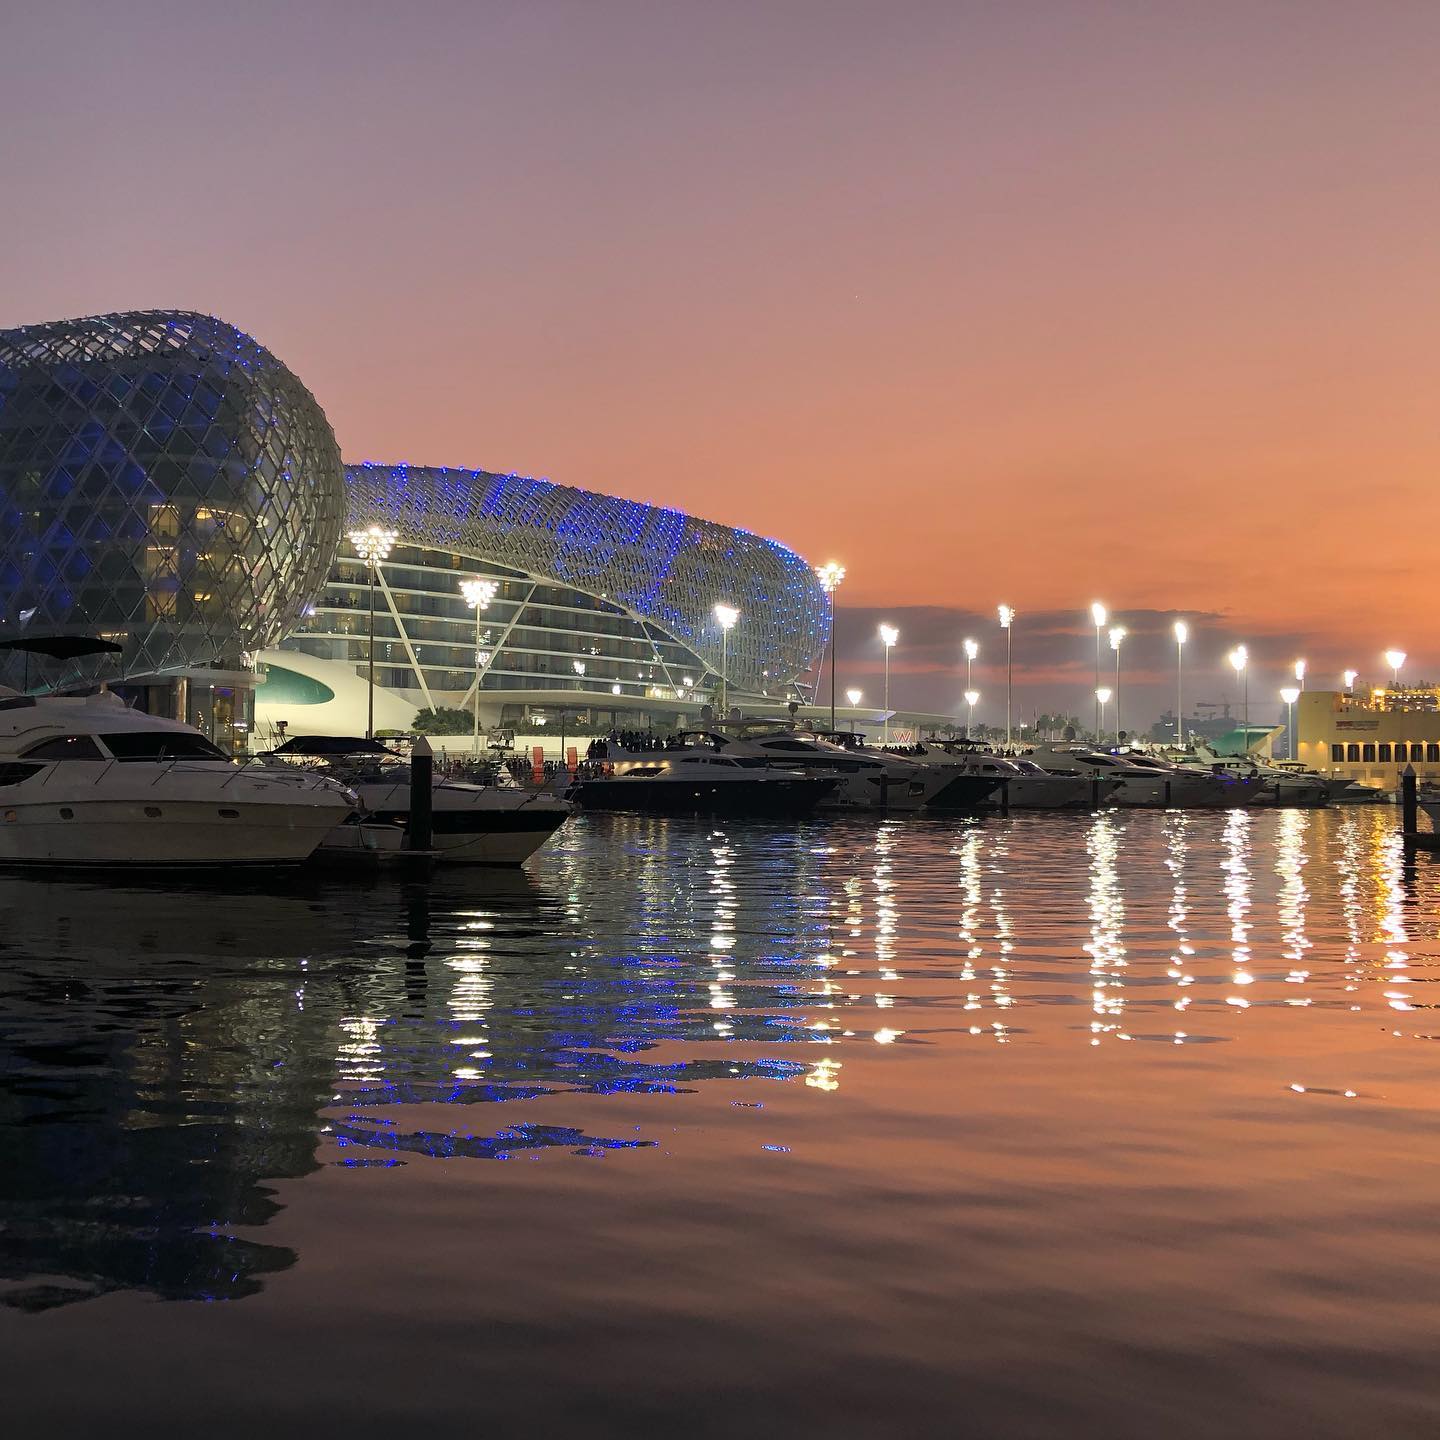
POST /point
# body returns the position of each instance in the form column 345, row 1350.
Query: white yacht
column 1020, row 784
column 1281, row 783
column 87, row 781
column 1146, row 781
column 494, row 823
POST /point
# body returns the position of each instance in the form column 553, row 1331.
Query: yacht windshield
column 161, row 745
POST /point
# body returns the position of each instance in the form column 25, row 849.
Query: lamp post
column 972, row 698
column 1350, row 678
column 1117, row 638
column 972, row 652
column 1099, row 615
column 1007, row 620
column 1102, row 698
column 830, row 575
column 1395, row 659
column 1239, row 658
column 888, row 635
column 854, row 697
column 727, row 615
column 1290, row 694
column 478, row 595
column 373, row 546
column 1182, row 634
column 1300, row 668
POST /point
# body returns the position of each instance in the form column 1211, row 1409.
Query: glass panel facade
column 165, row 482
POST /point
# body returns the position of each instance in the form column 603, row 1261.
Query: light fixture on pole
column 830, row 575
column 726, row 615
column 1239, row 659
column 1182, row 634
column 1290, row 694
column 1300, row 668
column 373, row 546
column 1102, row 699
column 888, row 635
column 478, row 595
column 972, row 653
column 854, row 697
column 1117, row 638
column 1395, row 659
column 972, row 699
column 1007, row 620
column 1350, row 677
column 1099, row 615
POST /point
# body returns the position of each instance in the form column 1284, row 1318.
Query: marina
column 719, row 722
column 1133, row 1091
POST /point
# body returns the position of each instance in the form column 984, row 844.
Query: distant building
column 1370, row 736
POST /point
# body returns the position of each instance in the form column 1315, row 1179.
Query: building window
column 1368, row 752
column 1352, row 753
column 1385, row 752
column 1432, row 753
column 1337, row 752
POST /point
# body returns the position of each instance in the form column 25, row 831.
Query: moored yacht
column 496, row 823
column 694, row 781
column 87, row 781
column 864, row 779
column 1018, row 783
column 1279, row 783
column 1145, row 781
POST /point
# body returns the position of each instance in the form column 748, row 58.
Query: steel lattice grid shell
column 164, row 481
column 662, row 565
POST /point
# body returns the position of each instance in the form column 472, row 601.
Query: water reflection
column 167, row 1060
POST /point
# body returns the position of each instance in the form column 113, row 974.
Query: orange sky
column 1033, row 302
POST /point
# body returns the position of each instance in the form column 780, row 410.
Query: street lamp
column 1290, row 694
column 1007, row 619
column 1099, row 615
column 1395, row 659
column 1182, row 634
column 373, row 546
column 478, row 595
column 854, row 697
column 972, row 653
column 1239, row 658
column 830, row 575
column 1300, row 674
column 888, row 635
column 1117, row 638
column 1102, row 699
column 727, row 615
column 1351, row 676
column 972, row 698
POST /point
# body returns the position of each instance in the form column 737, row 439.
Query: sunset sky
column 1023, row 301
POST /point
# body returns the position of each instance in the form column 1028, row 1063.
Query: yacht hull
column 760, row 798
column 159, row 833
column 470, row 825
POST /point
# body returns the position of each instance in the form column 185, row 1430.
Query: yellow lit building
column 1370, row 736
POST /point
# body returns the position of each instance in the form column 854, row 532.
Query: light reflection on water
column 1146, row 1097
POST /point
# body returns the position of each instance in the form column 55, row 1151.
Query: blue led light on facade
column 164, row 481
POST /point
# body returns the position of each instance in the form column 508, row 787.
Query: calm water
column 1050, row 1126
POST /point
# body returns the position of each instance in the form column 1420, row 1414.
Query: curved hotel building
column 168, row 485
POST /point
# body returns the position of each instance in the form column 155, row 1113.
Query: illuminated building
column 603, row 610
column 1370, row 736
column 167, row 484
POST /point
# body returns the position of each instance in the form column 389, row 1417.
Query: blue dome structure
column 166, row 483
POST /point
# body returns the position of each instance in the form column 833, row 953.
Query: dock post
column 422, row 800
column 1409, row 810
